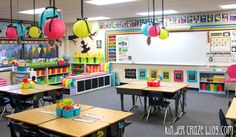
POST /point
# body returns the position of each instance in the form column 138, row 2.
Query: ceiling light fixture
column 98, row 18
column 37, row 11
column 108, row 2
column 157, row 12
column 229, row 6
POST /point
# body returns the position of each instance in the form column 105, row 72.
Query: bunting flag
column 3, row 52
column 44, row 50
column 39, row 49
column 49, row 49
column 33, row 49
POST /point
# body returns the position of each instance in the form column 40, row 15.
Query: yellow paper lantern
column 34, row 32
column 81, row 29
column 164, row 34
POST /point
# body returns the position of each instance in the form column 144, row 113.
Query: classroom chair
column 3, row 103
column 41, row 133
column 20, row 130
column 231, row 72
column 157, row 100
column 223, row 122
column 18, row 105
column 229, row 103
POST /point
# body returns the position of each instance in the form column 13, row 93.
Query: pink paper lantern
column 54, row 28
column 154, row 30
column 11, row 32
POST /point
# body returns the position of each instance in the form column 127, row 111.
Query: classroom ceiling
column 71, row 8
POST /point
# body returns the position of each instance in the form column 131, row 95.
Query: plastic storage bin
column 77, row 112
column 67, row 113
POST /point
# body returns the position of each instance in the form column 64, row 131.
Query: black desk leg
column 133, row 103
column 176, row 118
column 145, row 107
column 122, row 101
column 183, row 102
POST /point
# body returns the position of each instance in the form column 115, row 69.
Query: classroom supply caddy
column 153, row 82
column 66, row 108
column 211, row 81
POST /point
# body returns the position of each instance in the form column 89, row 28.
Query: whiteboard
column 181, row 48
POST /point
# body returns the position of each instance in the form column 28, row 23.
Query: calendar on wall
column 220, row 41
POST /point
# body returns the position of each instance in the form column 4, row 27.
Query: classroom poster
column 192, row 76
column 166, row 75
column 153, row 73
column 130, row 73
column 142, row 74
column 122, row 45
column 178, row 75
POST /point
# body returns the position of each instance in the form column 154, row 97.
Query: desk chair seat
column 156, row 99
column 3, row 103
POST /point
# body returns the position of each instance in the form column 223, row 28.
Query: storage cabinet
column 51, row 74
column 210, row 82
column 93, row 83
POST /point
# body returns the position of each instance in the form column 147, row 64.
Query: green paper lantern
column 164, row 34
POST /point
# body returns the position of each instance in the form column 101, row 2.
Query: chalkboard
column 181, row 48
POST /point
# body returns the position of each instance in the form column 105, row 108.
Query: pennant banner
column 39, row 49
column 3, row 52
column 44, row 50
column 33, row 49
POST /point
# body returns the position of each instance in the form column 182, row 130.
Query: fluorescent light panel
column 98, row 18
column 31, row 11
column 108, row 2
column 229, row 6
column 157, row 12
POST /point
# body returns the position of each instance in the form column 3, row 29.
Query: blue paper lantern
column 21, row 29
column 144, row 28
column 47, row 13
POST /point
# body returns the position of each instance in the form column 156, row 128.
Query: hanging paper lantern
column 34, row 32
column 144, row 28
column 47, row 13
column 164, row 34
column 54, row 28
column 11, row 32
column 154, row 30
column 82, row 28
column 21, row 29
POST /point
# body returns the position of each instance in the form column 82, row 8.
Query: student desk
column 141, row 89
column 37, row 91
column 40, row 115
column 106, row 120
column 70, row 127
column 231, row 113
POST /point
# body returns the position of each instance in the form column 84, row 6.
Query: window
column 34, row 51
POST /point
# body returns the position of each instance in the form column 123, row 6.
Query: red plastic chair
column 231, row 71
